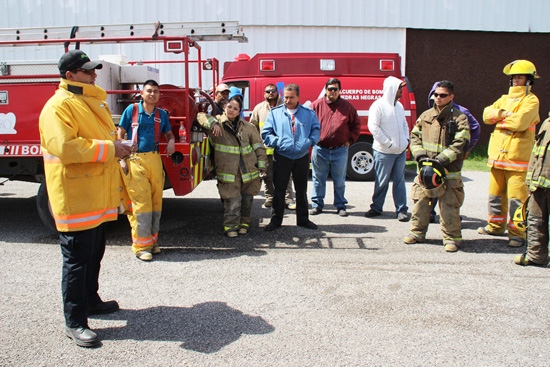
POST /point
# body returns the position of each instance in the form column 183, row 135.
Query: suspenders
column 135, row 124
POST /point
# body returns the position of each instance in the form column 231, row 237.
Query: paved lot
column 348, row 294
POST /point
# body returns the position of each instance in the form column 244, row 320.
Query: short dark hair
column 237, row 99
column 447, row 84
column 333, row 81
column 293, row 87
column 151, row 82
column 270, row 85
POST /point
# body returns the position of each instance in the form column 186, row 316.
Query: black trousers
column 283, row 167
column 82, row 253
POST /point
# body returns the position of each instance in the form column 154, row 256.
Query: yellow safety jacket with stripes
column 82, row 173
column 431, row 137
column 238, row 151
column 512, row 140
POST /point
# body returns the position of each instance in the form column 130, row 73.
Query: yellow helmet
column 520, row 215
column 521, row 67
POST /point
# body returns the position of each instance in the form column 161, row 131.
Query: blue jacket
column 277, row 131
column 475, row 130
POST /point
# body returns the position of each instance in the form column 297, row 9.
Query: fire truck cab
column 26, row 85
column 361, row 74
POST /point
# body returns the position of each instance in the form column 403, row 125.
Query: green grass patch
column 476, row 160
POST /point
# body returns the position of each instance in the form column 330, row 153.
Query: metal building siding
column 484, row 15
column 281, row 26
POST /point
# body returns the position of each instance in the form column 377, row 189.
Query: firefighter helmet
column 432, row 173
column 520, row 215
column 521, row 67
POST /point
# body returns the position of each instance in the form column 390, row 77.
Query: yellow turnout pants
column 145, row 183
column 503, row 186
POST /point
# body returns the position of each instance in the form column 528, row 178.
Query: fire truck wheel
column 360, row 162
column 44, row 209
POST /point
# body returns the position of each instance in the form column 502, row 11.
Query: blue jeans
column 326, row 160
column 389, row 167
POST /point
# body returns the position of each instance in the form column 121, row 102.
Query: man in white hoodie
column 390, row 131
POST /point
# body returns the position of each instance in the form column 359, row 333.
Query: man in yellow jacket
column 515, row 116
column 80, row 151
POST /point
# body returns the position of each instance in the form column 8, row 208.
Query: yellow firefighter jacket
column 239, row 151
column 511, row 142
column 431, row 137
column 82, row 173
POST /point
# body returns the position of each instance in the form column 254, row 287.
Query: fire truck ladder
column 196, row 31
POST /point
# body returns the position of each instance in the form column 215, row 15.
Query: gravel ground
column 348, row 294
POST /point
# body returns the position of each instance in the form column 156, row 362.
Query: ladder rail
column 118, row 33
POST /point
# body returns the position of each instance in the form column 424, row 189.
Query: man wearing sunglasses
column 441, row 133
column 80, row 148
column 390, row 131
column 340, row 127
column 259, row 114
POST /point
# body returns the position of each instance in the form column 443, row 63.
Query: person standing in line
column 515, row 116
column 538, row 203
column 240, row 159
column 390, row 131
column 143, row 123
column 291, row 129
column 439, row 139
column 80, row 149
column 259, row 114
column 474, row 135
column 340, row 128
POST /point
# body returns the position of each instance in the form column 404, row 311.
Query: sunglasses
column 271, row 91
column 89, row 72
column 442, row 95
column 333, row 89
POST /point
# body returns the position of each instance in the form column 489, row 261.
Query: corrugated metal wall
column 473, row 15
column 281, row 26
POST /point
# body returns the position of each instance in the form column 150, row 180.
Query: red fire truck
column 362, row 76
column 25, row 86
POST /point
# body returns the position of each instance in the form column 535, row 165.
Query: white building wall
column 274, row 26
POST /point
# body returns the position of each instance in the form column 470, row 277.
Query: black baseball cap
column 76, row 59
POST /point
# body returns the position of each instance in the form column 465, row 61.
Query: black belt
column 330, row 148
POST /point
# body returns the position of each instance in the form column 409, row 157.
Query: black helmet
column 432, row 174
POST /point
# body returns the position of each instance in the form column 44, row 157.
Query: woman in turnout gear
column 515, row 116
column 240, row 158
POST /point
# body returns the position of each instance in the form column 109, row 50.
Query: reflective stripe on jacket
column 82, row 173
column 538, row 174
column 429, row 137
column 511, row 142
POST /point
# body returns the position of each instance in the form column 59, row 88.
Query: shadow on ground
column 205, row 327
